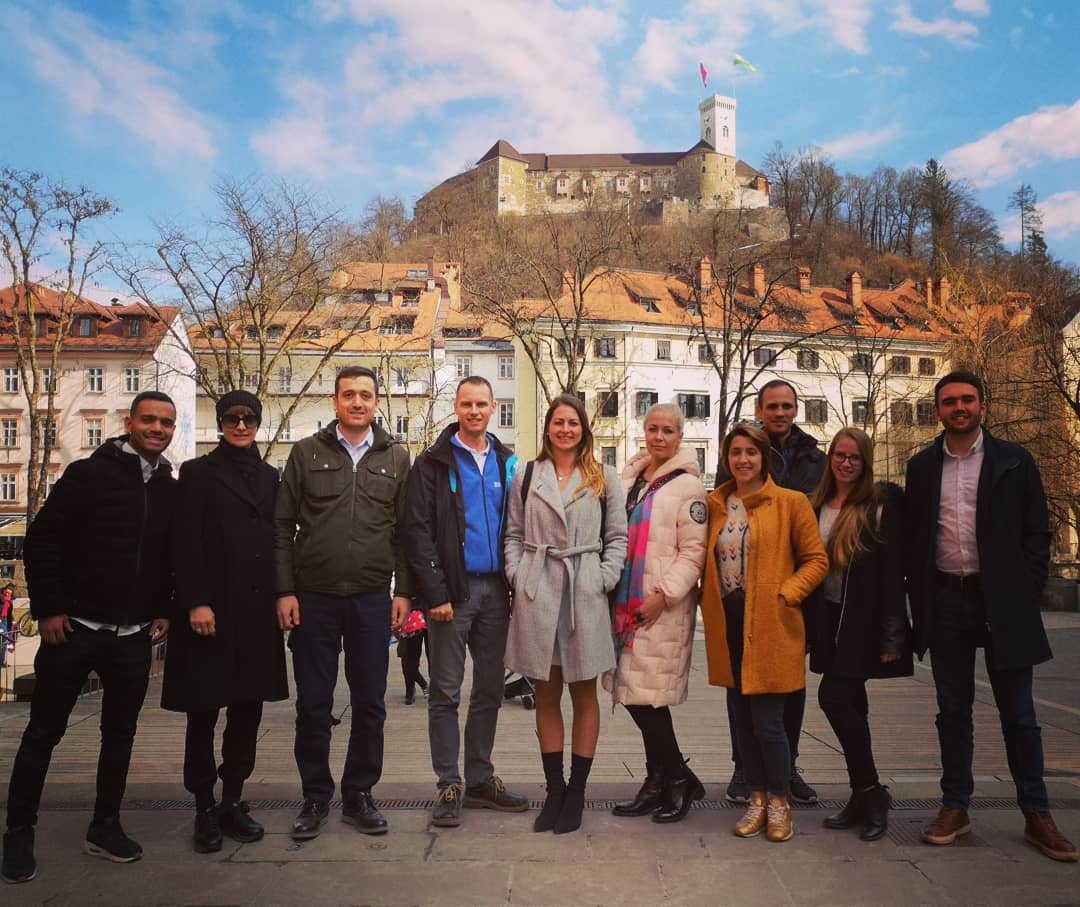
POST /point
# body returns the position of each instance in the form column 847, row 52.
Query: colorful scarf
column 631, row 591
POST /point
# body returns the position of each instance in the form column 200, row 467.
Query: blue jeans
column 960, row 629
column 763, row 740
column 362, row 624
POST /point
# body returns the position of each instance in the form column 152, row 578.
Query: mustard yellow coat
column 786, row 557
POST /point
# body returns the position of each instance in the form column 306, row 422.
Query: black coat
column 873, row 615
column 225, row 559
column 435, row 522
column 99, row 547
column 1012, row 529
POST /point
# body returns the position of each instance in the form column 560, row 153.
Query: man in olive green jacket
column 336, row 548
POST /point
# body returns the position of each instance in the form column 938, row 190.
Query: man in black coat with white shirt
column 98, row 567
column 978, row 529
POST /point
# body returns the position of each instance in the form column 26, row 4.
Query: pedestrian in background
column 565, row 548
column 766, row 557
column 861, row 628
column 656, row 608
column 226, row 650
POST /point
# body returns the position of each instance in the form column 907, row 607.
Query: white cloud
column 1061, row 214
column 860, row 143
column 846, row 21
column 973, row 7
column 102, row 78
column 1050, row 133
column 955, row 30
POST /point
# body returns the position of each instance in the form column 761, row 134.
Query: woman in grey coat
column 565, row 547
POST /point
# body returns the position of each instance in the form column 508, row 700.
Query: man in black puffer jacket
column 99, row 572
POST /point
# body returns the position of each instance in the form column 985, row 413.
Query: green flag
column 742, row 61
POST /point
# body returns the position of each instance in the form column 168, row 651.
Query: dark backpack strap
column 527, row 481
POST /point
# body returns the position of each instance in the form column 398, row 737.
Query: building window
column 924, row 412
column 132, row 380
column 694, row 406
column 862, row 362
column 462, row 366
column 251, row 382
column 9, row 432
column 565, row 345
column 50, row 483
column 645, row 184
column 609, row 404
column 8, row 487
column 396, row 326
column 11, row 380
column 94, row 432
column 506, row 179
column 401, row 426
column 84, row 326
column 604, row 347
column 562, row 184
column 48, row 428
column 808, row 360
column 41, row 325
column 285, row 434
column 861, row 412
column 764, row 356
column 704, row 352
column 506, row 366
column 134, row 326
column 700, row 453
column 645, row 399
column 95, row 380
column 539, row 184
column 620, row 184
column 927, row 366
column 901, row 413
column 284, row 380
column 900, row 365
column 506, row 414
column 48, row 384
column 816, row 411
column 607, row 456
column 663, row 350
column 693, row 309
column 251, row 332
column 275, row 332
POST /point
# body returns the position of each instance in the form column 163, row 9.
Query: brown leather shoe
column 947, row 826
column 1043, row 833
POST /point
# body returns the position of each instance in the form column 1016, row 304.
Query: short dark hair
column 959, row 377
column 356, row 371
column 776, row 382
column 475, row 379
column 159, row 396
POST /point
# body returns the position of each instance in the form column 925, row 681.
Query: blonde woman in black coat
column 859, row 627
column 225, row 649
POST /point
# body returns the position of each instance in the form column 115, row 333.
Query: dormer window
column 41, row 325
column 135, row 326
column 275, row 332
column 251, row 332
column 84, row 326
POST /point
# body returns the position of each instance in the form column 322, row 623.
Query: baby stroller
column 518, row 685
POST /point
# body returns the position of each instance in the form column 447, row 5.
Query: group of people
column 560, row 570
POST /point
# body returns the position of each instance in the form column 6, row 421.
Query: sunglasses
column 232, row 420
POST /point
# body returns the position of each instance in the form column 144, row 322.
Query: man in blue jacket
column 455, row 514
column 979, row 550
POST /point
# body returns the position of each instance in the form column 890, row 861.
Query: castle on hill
column 667, row 185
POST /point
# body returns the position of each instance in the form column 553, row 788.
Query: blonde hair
column 592, row 473
column 845, row 540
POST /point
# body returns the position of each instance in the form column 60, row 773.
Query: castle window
column 621, row 184
column 725, row 132
column 645, row 184
column 506, row 179
column 539, row 185
column 561, row 185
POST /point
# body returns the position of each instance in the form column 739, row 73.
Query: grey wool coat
column 552, row 551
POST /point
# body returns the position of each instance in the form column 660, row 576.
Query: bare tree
column 262, row 290
column 44, row 223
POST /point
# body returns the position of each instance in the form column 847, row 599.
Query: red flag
column 704, row 75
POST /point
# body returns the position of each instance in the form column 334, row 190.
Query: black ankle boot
column 680, row 789
column 850, row 815
column 876, row 803
column 556, row 790
column 574, row 798
column 647, row 799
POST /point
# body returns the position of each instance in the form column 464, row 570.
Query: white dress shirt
column 957, row 547
column 357, row 451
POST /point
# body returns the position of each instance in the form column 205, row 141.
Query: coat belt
column 568, row 557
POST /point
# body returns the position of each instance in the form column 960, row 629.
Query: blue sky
column 152, row 103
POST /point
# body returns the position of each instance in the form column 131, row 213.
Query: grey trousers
column 481, row 624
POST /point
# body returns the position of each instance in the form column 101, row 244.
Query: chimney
column 943, row 292
column 758, row 276
column 804, row 280
column 704, row 275
column 854, row 292
column 929, row 293
column 431, row 261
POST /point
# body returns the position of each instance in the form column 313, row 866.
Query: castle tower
column 718, row 123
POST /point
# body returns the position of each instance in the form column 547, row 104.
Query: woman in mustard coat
column 765, row 556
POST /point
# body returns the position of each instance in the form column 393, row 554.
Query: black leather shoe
column 360, row 810
column 309, row 821
column 876, row 803
column 237, row 824
column 647, row 799
column 850, row 815
column 207, row 836
column 679, row 791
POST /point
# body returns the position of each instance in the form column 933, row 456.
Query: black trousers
column 658, row 734
column 123, row 665
column 237, row 751
column 409, row 650
column 844, row 702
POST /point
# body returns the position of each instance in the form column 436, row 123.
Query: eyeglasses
column 853, row 459
column 232, row 420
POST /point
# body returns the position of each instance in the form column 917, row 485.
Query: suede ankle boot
column 556, row 790
column 574, row 799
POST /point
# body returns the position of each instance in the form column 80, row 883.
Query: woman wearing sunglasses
column 225, row 648
column 860, row 629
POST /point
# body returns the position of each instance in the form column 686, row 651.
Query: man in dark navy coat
column 979, row 532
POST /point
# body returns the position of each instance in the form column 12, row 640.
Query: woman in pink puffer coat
column 656, row 607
